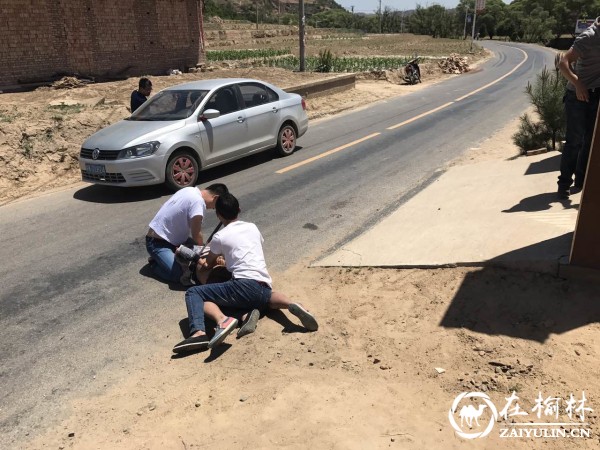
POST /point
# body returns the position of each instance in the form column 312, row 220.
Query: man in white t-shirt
column 176, row 221
column 250, row 287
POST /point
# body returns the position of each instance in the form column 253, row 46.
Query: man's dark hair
column 217, row 189
column 227, row 206
column 144, row 83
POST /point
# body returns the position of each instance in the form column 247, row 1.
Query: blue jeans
column 581, row 119
column 238, row 294
column 164, row 265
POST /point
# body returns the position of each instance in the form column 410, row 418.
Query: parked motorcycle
column 412, row 72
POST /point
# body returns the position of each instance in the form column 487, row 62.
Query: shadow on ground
column 521, row 304
column 546, row 165
column 541, row 202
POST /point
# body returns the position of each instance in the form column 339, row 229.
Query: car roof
column 207, row 85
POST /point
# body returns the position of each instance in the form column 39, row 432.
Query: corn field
column 236, row 55
column 341, row 64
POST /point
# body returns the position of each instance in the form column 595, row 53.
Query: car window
column 170, row 105
column 273, row 97
column 255, row 94
column 224, row 100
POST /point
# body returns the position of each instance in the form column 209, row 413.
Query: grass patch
column 27, row 146
column 67, row 109
column 8, row 117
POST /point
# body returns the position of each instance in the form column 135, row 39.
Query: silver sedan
column 190, row 127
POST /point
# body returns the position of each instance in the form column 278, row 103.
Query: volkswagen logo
column 96, row 153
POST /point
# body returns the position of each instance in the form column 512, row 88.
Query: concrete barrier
column 324, row 87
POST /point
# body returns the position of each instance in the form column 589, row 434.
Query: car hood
column 127, row 133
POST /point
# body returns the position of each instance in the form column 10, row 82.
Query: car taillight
column 303, row 105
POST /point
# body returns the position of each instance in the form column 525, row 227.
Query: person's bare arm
column 566, row 61
column 196, row 227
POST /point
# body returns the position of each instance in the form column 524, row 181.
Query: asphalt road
column 78, row 310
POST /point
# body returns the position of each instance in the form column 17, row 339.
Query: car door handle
column 240, row 119
column 275, row 109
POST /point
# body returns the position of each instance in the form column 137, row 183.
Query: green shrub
column 531, row 135
column 546, row 95
column 325, row 61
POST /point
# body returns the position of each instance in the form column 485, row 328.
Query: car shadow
column 215, row 173
column 97, row 193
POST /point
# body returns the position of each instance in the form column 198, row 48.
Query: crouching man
column 250, row 287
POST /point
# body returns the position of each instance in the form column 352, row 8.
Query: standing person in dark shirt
column 141, row 95
column 581, row 107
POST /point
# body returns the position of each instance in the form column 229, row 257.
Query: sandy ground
column 394, row 349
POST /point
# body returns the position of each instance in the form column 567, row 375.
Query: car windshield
column 170, row 105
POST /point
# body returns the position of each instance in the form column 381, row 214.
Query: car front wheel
column 182, row 170
column 286, row 140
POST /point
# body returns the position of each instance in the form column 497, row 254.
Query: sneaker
column 222, row 331
column 563, row 193
column 249, row 325
column 192, row 344
column 308, row 320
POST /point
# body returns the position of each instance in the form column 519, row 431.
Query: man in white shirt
column 179, row 217
column 250, row 287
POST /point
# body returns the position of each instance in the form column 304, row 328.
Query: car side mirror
column 209, row 114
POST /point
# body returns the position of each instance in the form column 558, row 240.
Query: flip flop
column 308, row 320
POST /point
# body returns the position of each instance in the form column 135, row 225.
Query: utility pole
column 301, row 32
column 257, row 14
column 402, row 22
column 278, row 12
column 473, row 29
column 380, row 17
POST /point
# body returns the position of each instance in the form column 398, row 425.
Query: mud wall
column 41, row 39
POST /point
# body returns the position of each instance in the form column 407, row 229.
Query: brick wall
column 40, row 39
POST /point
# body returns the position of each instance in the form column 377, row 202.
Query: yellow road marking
column 327, row 153
column 393, row 127
column 495, row 81
column 431, row 111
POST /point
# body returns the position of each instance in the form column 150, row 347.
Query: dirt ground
column 41, row 132
column 394, row 349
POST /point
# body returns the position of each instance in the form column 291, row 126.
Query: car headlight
column 139, row 151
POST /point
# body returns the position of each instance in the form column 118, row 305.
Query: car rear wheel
column 286, row 140
column 182, row 170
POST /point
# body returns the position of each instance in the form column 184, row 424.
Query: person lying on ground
column 172, row 225
column 250, row 287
